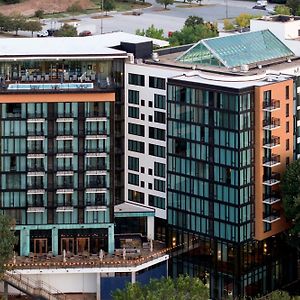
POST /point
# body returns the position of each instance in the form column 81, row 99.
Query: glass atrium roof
column 236, row 50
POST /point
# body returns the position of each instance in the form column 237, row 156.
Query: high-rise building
column 230, row 136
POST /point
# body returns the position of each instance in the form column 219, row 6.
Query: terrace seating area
column 133, row 256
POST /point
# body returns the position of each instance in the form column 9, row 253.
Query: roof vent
column 139, row 61
column 194, row 67
column 259, row 66
column 289, row 60
column 155, row 56
column 244, row 68
column 130, row 58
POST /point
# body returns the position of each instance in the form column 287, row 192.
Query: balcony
column 95, row 208
column 96, row 154
column 64, row 155
column 64, row 173
column 36, row 192
column 96, row 173
column 95, row 184
column 271, row 105
column 271, row 124
column 37, row 168
column 35, row 155
column 35, row 174
column 64, row 137
column 271, row 180
column 64, row 208
column 65, row 191
column 96, row 134
column 65, row 150
column 64, row 168
column 64, row 185
column 36, row 207
column 272, row 217
column 272, row 142
column 96, row 190
column 35, row 186
column 272, row 161
column 35, row 135
column 96, row 117
column 271, row 198
column 96, row 167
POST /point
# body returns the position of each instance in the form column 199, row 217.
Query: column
column 98, row 286
column 24, row 242
column 55, row 241
column 111, row 239
column 133, row 277
column 150, row 228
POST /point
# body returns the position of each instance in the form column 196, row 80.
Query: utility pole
column 226, row 1
column 101, row 16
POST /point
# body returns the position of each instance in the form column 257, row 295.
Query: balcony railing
column 35, row 186
column 271, row 105
column 35, row 168
column 64, row 168
column 96, row 132
column 35, row 204
column 35, row 149
column 65, row 185
column 270, row 124
column 96, row 114
column 272, row 217
column 271, row 180
column 35, row 132
column 271, row 198
column 94, row 150
column 272, row 161
column 95, row 185
column 96, row 167
column 272, row 142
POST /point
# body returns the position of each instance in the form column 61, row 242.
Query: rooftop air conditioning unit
column 244, row 68
column 155, row 56
column 131, row 58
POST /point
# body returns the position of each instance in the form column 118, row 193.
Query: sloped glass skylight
column 236, row 50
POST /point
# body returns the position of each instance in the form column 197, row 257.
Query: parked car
column 259, row 7
column 43, row 33
column 137, row 12
column 85, row 33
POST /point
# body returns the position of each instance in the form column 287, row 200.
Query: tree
column 152, row 32
column 39, row 14
column 294, row 5
column 33, row 26
column 282, row 10
column 243, row 20
column 193, row 21
column 280, row 295
column 7, row 241
column 165, row 2
column 189, row 34
column 66, row 30
column 291, row 195
column 75, row 8
column 108, row 5
column 17, row 22
column 181, row 288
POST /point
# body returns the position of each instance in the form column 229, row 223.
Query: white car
column 43, row 33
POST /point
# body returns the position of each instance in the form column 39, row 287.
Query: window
column 150, row 186
column 133, row 112
column 287, row 92
column 155, row 201
column 287, row 127
column 159, row 101
column 228, row 175
column 142, row 117
column 157, row 83
column 150, row 171
column 133, row 163
column 143, row 102
column 136, row 129
column 133, row 97
column 287, row 110
column 287, row 161
column 13, row 163
column 156, row 150
column 133, row 179
column 150, row 103
column 142, row 184
column 159, row 169
column 287, row 144
column 136, row 146
column 156, row 133
column 136, row 196
column 159, row 117
column 150, row 118
column 142, row 170
column 136, row 79
column 159, row 185
column 13, row 108
column 180, row 147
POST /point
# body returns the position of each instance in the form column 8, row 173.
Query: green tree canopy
column 181, row 288
column 152, row 32
column 109, row 5
column 165, row 3
column 282, row 10
column 7, row 241
column 192, row 21
column 66, row 30
column 33, row 26
column 290, row 187
column 17, row 22
column 294, row 5
column 189, row 34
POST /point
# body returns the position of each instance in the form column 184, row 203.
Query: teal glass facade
column 210, row 192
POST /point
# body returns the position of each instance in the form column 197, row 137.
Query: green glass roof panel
column 236, row 50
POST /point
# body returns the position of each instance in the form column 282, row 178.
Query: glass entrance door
column 83, row 245
column 40, row 246
column 67, row 244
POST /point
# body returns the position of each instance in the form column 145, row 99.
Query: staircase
column 34, row 288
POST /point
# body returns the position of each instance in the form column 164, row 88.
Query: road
column 169, row 20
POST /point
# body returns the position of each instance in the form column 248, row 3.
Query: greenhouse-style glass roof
column 236, row 50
